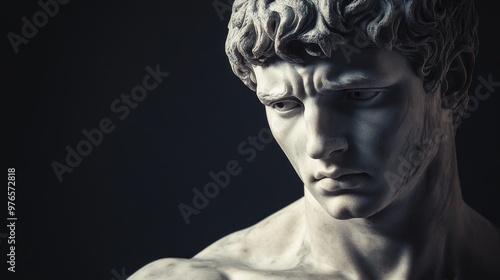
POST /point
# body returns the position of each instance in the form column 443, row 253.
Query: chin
column 345, row 207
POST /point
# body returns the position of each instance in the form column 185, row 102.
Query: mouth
column 336, row 174
column 336, row 184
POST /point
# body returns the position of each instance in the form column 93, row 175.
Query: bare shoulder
column 482, row 250
column 178, row 269
column 274, row 236
column 260, row 244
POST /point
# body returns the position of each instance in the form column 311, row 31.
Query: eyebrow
column 347, row 80
column 269, row 97
column 353, row 79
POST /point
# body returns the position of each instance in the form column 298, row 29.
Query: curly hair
column 427, row 32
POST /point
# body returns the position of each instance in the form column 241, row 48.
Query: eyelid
column 376, row 92
column 363, row 89
column 285, row 101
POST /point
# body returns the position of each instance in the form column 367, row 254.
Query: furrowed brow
column 268, row 97
column 354, row 80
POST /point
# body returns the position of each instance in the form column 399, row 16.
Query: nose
column 322, row 133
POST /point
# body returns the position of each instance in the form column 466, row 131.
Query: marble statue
column 364, row 97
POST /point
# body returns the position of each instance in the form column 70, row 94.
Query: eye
column 285, row 105
column 361, row 94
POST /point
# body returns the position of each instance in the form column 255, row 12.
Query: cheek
column 382, row 134
column 281, row 129
column 378, row 135
column 392, row 136
column 289, row 136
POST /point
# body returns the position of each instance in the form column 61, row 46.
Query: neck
column 414, row 237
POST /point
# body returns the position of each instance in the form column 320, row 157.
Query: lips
column 348, row 177
column 335, row 174
column 339, row 180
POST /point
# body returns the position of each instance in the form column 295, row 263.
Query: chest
column 246, row 273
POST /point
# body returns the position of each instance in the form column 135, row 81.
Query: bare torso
column 273, row 249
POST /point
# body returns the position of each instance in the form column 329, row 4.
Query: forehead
column 369, row 68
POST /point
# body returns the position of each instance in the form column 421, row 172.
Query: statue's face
column 348, row 128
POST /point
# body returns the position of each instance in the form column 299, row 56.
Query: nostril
column 322, row 147
column 338, row 143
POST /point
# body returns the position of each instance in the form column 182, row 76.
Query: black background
column 117, row 210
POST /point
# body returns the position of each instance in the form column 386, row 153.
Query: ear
column 456, row 81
